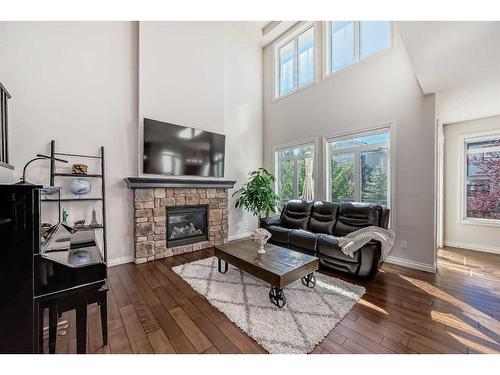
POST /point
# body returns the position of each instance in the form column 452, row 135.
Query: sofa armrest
column 270, row 220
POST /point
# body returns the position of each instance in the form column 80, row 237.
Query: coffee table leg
column 219, row 260
column 309, row 280
column 277, row 296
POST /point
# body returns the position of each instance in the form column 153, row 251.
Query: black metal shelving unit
column 102, row 198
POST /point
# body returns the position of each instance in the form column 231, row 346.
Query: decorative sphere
column 80, row 186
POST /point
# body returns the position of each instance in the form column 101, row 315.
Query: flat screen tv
column 174, row 150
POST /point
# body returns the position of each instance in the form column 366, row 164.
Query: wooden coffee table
column 278, row 266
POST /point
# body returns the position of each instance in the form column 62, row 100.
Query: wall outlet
column 404, row 244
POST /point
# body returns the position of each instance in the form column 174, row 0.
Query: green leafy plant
column 257, row 195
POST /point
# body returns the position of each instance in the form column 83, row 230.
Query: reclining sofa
column 313, row 227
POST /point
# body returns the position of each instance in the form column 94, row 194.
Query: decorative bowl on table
column 261, row 236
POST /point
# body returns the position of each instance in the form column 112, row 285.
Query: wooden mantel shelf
column 171, row 182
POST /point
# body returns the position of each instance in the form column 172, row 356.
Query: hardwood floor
column 457, row 310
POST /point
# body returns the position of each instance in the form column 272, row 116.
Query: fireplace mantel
column 166, row 182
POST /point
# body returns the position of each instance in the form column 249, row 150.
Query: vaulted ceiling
column 453, row 55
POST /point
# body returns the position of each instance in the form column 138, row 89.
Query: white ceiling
column 453, row 55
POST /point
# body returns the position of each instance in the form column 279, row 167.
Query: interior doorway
column 468, row 185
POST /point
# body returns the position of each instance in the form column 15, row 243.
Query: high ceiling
column 453, row 55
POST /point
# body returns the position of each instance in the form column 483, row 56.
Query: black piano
column 56, row 268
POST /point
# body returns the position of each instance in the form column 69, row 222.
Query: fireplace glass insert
column 186, row 224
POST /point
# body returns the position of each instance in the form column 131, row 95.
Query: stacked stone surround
column 149, row 216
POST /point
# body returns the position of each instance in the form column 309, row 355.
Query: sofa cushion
column 266, row 222
column 296, row 214
column 323, row 217
column 328, row 246
column 354, row 216
column 303, row 240
column 279, row 234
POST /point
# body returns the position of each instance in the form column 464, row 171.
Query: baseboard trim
column 239, row 236
column 120, row 260
column 473, row 247
column 410, row 264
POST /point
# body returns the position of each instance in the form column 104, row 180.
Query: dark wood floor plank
column 175, row 335
column 191, row 330
column 219, row 340
column 240, row 340
column 114, row 317
column 121, row 296
column 135, row 332
column 95, row 332
column 142, row 310
column 160, row 342
column 362, row 340
column 333, row 347
column 119, row 342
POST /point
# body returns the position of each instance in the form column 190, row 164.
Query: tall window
column 295, row 62
column 358, row 168
column 351, row 41
column 294, row 170
column 482, row 178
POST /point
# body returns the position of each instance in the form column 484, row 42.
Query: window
column 481, row 190
column 351, row 41
column 294, row 171
column 358, row 167
column 295, row 61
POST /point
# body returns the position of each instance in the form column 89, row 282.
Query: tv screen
column 175, row 150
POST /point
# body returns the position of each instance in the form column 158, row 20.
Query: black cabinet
column 19, row 243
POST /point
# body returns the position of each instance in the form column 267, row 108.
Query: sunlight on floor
column 372, row 306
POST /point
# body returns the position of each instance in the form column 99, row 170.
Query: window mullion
column 295, row 180
column 357, row 176
column 296, row 63
column 356, row 41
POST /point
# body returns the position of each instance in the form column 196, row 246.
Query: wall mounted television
column 174, row 150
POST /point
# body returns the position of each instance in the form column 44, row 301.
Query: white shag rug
column 308, row 316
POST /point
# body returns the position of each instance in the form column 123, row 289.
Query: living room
column 239, row 186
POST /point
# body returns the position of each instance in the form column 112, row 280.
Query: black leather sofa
column 314, row 227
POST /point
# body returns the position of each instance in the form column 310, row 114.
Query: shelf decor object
column 79, row 169
column 83, row 187
column 80, row 186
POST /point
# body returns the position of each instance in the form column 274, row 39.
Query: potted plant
column 257, row 195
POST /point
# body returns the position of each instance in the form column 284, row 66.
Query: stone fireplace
column 171, row 220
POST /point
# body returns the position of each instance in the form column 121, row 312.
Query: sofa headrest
column 296, row 214
column 354, row 216
column 323, row 217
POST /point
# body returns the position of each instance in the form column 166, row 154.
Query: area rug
column 308, row 316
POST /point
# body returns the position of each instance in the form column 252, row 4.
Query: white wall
column 76, row 83
column 207, row 75
column 6, row 175
column 475, row 237
column 377, row 90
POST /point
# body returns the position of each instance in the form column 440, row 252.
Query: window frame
column 389, row 127
column 303, row 142
column 327, row 55
column 294, row 36
column 464, row 139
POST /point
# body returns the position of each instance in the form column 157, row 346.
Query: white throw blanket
column 355, row 240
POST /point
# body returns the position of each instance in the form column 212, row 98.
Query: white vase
column 261, row 244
